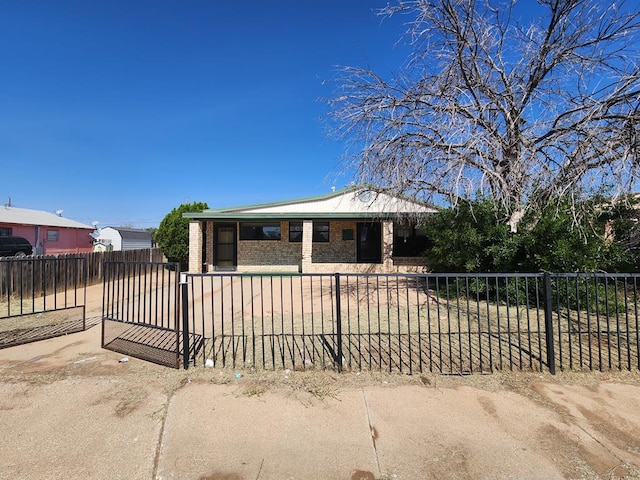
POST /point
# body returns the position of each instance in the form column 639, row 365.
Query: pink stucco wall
column 70, row 240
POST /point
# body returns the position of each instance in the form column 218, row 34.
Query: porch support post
column 387, row 246
column 307, row 246
column 195, row 246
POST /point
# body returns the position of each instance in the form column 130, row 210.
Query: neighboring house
column 351, row 230
column 121, row 238
column 48, row 233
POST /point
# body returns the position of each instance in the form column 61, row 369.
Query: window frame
column 414, row 245
column 295, row 235
column 347, row 235
column 320, row 235
column 263, row 235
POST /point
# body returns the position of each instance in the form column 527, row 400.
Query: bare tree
column 524, row 106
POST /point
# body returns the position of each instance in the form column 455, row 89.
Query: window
column 320, row 231
column 259, row 231
column 52, row 235
column 347, row 234
column 5, row 231
column 295, row 231
column 409, row 240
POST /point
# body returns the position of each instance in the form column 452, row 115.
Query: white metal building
column 121, row 238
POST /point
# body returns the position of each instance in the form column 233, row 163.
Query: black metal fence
column 594, row 321
column 140, row 311
column 444, row 323
column 41, row 297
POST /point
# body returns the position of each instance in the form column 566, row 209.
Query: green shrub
column 172, row 235
column 475, row 238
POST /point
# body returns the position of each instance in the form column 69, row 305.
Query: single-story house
column 123, row 238
column 355, row 229
column 48, row 233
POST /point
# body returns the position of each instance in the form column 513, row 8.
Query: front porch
column 307, row 246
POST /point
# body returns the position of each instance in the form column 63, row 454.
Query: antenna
column 59, row 212
column 96, row 233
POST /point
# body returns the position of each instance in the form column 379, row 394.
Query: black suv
column 18, row 246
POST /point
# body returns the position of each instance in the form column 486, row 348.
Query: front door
column 224, row 246
column 369, row 243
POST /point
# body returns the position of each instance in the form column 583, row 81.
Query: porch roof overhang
column 239, row 217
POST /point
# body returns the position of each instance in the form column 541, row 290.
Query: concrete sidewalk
column 69, row 409
column 362, row 434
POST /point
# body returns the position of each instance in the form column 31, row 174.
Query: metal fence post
column 338, row 324
column 185, row 320
column 548, row 323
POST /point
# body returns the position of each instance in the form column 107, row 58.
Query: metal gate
column 140, row 311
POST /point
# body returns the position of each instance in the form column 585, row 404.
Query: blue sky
column 119, row 111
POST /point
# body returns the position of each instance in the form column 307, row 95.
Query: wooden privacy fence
column 97, row 260
column 16, row 280
column 29, row 281
column 41, row 298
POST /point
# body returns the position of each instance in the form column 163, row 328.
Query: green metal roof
column 240, row 213
column 315, row 198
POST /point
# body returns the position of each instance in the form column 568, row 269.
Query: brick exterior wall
column 336, row 250
column 195, row 246
column 307, row 247
column 272, row 255
column 209, row 246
